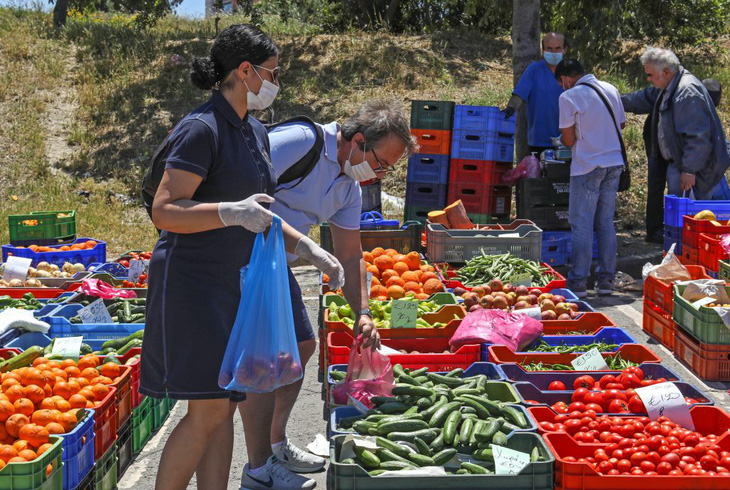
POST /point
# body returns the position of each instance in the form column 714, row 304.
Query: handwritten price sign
column 590, row 361
column 16, row 268
column 508, row 461
column 403, row 314
column 96, row 312
column 136, row 268
column 524, row 279
column 67, row 347
column 665, row 399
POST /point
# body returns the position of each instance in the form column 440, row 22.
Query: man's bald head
column 553, row 42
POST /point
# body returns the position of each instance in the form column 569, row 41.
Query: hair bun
column 202, row 73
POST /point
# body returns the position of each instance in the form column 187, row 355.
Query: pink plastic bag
column 725, row 243
column 96, row 287
column 369, row 374
column 513, row 330
column 528, row 168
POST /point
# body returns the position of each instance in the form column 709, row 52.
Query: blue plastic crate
column 114, row 268
column 672, row 235
column 483, row 118
column 721, row 191
column 62, row 327
column 373, row 220
column 555, row 251
column 513, row 372
column 676, row 207
column 480, row 145
column 426, row 195
column 78, row 452
column 29, row 339
column 86, row 257
column 423, row 167
column 569, row 295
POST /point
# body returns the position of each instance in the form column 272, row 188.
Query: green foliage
column 146, row 13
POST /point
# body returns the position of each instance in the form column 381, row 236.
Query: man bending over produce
column 366, row 146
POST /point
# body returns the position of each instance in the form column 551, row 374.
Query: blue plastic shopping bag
column 262, row 353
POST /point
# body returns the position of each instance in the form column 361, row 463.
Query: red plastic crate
column 6, row 353
column 431, row 352
column 39, row 293
column 710, row 362
column 137, row 397
column 658, row 323
column 590, row 322
column 478, row 171
column 105, row 423
column 500, row 354
column 433, row 141
column 661, row 293
column 481, row 199
column 580, row 476
column 123, row 384
column 690, row 256
column 450, row 281
column 693, row 227
column 711, row 252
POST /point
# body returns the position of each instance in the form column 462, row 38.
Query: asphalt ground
column 624, row 308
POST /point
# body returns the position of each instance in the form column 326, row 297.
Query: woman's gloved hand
column 322, row 260
column 247, row 213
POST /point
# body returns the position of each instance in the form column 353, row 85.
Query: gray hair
column 376, row 120
column 660, row 59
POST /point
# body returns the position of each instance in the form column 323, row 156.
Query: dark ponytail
column 234, row 45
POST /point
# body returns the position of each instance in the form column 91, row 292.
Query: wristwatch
column 364, row 311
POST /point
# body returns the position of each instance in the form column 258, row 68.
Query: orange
column 87, row 362
column 101, row 379
column 391, row 251
column 54, row 364
column 7, row 452
column 34, row 393
column 412, row 286
column 408, row 276
column 67, row 421
column 90, row 244
column 15, row 422
column 49, row 469
column 21, row 444
column 400, row 268
column 384, row 262
column 374, row 271
column 325, row 279
column 413, row 259
column 33, row 376
column 77, row 401
column 99, row 391
column 67, row 363
column 62, row 389
column 43, row 367
column 433, row 286
column 395, row 281
column 83, row 382
column 427, row 268
column 377, row 252
column 74, row 386
column 8, row 382
column 2, row 464
column 396, row 292
column 422, row 296
column 375, row 282
column 6, row 410
column 14, row 393
column 387, row 274
column 27, row 454
column 48, row 390
column 45, row 447
column 55, row 428
column 24, row 406
column 63, row 405
column 48, row 403
column 110, row 369
column 39, row 360
column 3, row 434
column 428, row 275
column 12, row 374
column 59, row 373
column 89, row 373
column 89, row 393
column 399, row 258
column 376, row 291
column 368, row 257
column 36, row 435
column 18, row 459
column 44, row 417
column 72, row 371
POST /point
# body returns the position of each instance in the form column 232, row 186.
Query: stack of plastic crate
column 697, row 240
column 482, row 150
column 371, row 196
column 428, row 170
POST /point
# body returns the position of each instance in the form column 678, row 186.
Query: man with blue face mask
column 538, row 88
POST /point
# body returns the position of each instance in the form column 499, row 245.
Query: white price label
column 524, row 279
column 403, row 314
column 96, row 312
column 136, row 268
column 666, row 399
column 590, row 361
column 16, row 268
column 508, row 461
column 67, row 347
column 370, row 282
column 531, row 312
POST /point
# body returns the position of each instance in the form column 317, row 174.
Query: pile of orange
column 396, row 275
column 41, row 400
column 87, row 245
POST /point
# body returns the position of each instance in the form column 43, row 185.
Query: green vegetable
column 369, row 460
column 422, row 447
column 443, row 457
column 401, row 426
column 474, row 468
column 483, row 268
column 392, row 447
column 421, row 460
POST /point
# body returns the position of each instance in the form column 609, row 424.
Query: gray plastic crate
column 535, row 476
column 458, row 246
column 404, row 240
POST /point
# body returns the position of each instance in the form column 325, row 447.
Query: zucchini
column 474, row 468
column 428, row 435
column 406, row 389
column 23, row 359
column 439, row 417
column 465, row 431
column 443, row 457
column 404, row 425
column 396, row 465
column 388, row 455
column 421, row 460
column 393, row 447
column 452, row 423
column 422, row 447
column 368, row 459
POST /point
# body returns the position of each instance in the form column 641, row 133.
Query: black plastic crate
column 432, row 114
column 542, row 192
column 423, row 195
column 125, row 453
column 556, row 170
column 546, row 217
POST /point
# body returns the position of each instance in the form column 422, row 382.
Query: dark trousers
column 657, row 179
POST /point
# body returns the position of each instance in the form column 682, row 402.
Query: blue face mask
column 553, row 58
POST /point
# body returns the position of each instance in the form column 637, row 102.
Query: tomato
column 636, row 405
column 572, row 426
column 637, row 458
column 618, row 454
column 675, row 473
column 725, row 462
column 614, row 386
column 664, row 468
column 604, row 467
column 613, row 472
column 654, row 457
column 637, row 471
column 578, row 395
column 629, row 380
column 635, row 371
column 594, row 407
column 547, row 426
column 556, row 385
column 647, row 466
column 708, row 463
column 691, row 439
column 606, row 379
column 559, row 407
column 585, row 381
column 125, row 263
column 618, row 406
column 560, row 418
column 576, row 407
column 593, row 397
column 569, row 459
column 614, row 395
column 623, row 465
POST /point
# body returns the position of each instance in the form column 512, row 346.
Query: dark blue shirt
column 541, row 91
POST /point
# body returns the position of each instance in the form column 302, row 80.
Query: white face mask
column 360, row 172
column 265, row 97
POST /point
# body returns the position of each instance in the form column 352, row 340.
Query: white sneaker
column 297, row 460
column 274, row 476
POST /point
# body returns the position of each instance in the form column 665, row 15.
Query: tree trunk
column 60, row 12
column 525, row 50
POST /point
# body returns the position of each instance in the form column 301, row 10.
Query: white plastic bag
column 670, row 270
column 16, row 318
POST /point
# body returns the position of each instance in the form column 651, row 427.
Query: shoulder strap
column 610, row 111
column 306, row 164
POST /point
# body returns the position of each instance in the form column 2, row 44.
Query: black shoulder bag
column 625, row 180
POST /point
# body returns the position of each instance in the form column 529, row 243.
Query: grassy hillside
column 82, row 110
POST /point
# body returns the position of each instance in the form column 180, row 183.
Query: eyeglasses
column 382, row 166
column 274, row 71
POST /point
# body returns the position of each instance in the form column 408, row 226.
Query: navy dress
column 194, row 288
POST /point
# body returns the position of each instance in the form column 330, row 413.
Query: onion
column 43, row 266
column 43, row 274
column 32, row 272
column 77, row 268
column 15, row 283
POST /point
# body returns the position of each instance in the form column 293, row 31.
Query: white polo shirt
column 324, row 194
column 596, row 143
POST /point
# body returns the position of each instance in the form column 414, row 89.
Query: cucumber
column 406, row 389
column 405, row 425
column 450, row 382
column 492, row 427
column 379, row 400
column 339, row 376
column 535, row 454
column 452, row 423
column 396, row 465
column 388, row 455
column 392, row 446
column 393, row 407
column 408, row 380
column 421, row 460
column 362, row 427
column 467, row 409
column 348, row 461
column 515, row 416
column 422, row 447
column 428, row 435
column 456, row 373
column 483, row 455
column 346, row 422
column 465, row 431
column 376, row 472
column 129, row 346
column 479, row 426
column 376, row 417
column 425, row 402
column 474, row 468
column 500, row 439
column 438, row 443
column 368, row 459
column 439, row 417
column 419, row 372
column 481, row 411
column 443, row 457
column 431, row 410
column 466, row 391
column 119, row 343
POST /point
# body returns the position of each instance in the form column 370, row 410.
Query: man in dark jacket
column 686, row 137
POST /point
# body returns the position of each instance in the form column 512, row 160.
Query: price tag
column 521, row 279
column 403, row 314
column 590, row 361
column 531, row 312
column 16, row 268
column 508, row 461
column 136, row 268
column 67, row 347
column 96, row 312
column 370, row 282
column 666, row 399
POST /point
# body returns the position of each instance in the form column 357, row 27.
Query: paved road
column 625, row 310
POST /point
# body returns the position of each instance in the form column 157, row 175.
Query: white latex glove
column 322, row 260
column 247, row 213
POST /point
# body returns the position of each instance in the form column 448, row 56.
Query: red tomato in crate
column 556, row 386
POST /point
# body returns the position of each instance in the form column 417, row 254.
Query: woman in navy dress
column 210, row 204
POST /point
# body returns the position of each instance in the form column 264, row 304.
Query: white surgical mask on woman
column 265, row 97
column 360, row 172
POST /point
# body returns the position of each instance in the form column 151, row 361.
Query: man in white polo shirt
column 591, row 119
column 366, row 146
